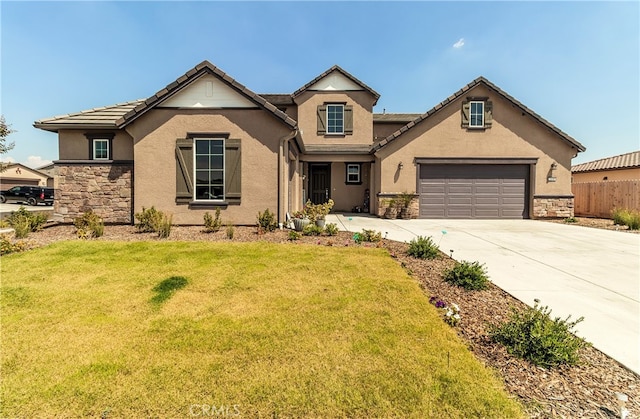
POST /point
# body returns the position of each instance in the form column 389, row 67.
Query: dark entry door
column 320, row 176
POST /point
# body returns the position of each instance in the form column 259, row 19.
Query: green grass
column 261, row 329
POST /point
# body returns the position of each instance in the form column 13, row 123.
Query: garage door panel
column 473, row 191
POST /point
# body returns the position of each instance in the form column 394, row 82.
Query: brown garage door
column 473, row 191
column 10, row 183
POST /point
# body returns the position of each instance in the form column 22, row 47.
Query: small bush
column 165, row 224
column 312, row 230
column 7, row 246
column 211, row 224
column 24, row 222
column 4, row 224
column 21, row 226
column 230, row 231
column 570, row 220
column 423, row 248
column 331, row 229
column 89, row 224
column 532, row 334
column 267, row 221
column 371, row 236
column 626, row 217
column 294, row 235
column 468, row 275
column 149, row 220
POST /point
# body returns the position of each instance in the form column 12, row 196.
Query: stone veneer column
column 105, row 188
column 552, row 206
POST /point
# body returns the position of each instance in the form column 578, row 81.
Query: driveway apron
column 576, row 271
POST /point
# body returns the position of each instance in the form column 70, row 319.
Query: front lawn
column 177, row 329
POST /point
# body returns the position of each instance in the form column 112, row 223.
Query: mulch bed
column 587, row 390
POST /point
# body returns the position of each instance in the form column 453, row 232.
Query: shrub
column 331, row 229
column 231, row 231
column 211, row 224
column 629, row 218
column 7, row 246
column 312, row 230
column 294, row 235
column 468, row 275
column 89, row 224
column 267, row 221
column 532, row 334
column 164, row 226
column 370, row 236
column 149, row 220
column 570, row 220
column 423, row 248
column 24, row 222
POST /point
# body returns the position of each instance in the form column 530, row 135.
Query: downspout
column 281, row 175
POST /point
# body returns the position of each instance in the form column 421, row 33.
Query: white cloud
column 36, row 161
column 459, row 44
column 8, row 159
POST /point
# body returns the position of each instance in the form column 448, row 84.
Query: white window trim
column 195, row 168
column 95, row 143
column 359, row 167
column 471, row 125
column 341, row 106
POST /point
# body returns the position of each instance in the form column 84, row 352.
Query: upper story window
column 100, row 146
column 477, row 113
column 209, row 168
column 100, row 149
column 335, row 119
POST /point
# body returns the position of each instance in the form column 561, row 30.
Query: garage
column 484, row 191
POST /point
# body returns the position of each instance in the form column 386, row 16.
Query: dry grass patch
column 261, row 329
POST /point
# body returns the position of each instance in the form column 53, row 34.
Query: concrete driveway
column 7, row 208
column 577, row 271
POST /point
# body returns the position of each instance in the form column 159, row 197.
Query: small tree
column 5, row 147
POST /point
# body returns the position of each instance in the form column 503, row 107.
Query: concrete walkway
column 577, row 271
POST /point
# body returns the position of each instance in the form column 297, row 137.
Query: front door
column 320, row 178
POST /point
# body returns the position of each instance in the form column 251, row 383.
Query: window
column 209, row 168
column 100, row 149
column 335, row 119
column 353, row 173
column 476, row 115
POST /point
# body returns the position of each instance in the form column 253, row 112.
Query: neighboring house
column 16, row 174
column 206, row 141
column 623, row 167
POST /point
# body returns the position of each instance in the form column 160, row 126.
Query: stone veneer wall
column 552, row 206
column 383, row 203
column 104, row 188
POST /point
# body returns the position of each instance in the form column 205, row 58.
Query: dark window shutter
column 488, row 114
column 466, row 110
column 348, row 120
column 322, row 119
column 184, row 170
column 232, row 171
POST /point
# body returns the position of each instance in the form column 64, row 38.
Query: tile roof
column 278, row 98
column 623, row 161
column 337, row 149
column 104, row 117
column 120, row 115
column 344, row 73
column 395, row 117
column 480, row 80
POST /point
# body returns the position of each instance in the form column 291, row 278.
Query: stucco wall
column 619, row 174
column 512, row 135
column 74, row 145
column 155, row 167
column 362, row 103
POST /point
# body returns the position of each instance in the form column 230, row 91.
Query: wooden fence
column 597, row 199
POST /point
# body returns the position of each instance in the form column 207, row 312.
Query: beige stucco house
column 622, row 167
column 16, row 174
column 206, row 141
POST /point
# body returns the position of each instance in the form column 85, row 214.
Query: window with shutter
column 477, row 114
column 335, row 119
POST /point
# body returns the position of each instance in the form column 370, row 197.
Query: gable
column 335, row 81
column 207, row 92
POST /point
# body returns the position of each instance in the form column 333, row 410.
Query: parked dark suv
column 32, row 195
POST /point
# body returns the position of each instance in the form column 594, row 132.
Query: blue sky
column 574, row 63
